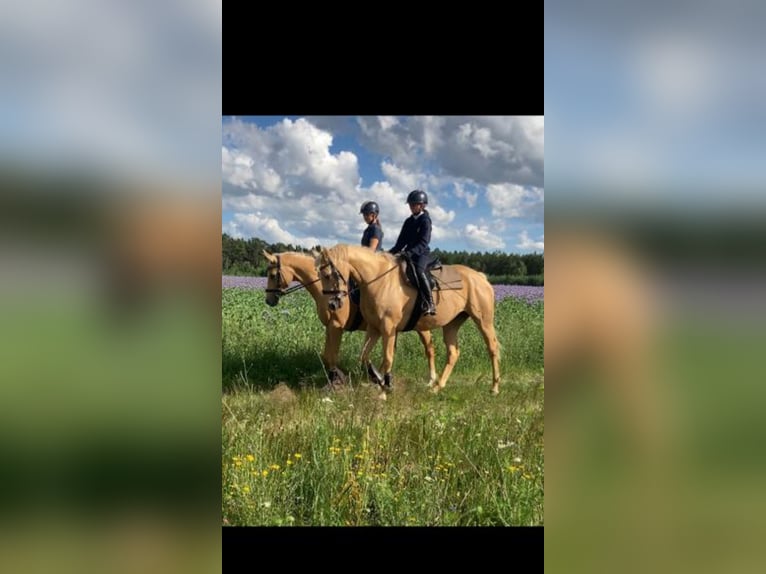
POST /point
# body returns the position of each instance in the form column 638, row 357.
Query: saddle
column 440, row 278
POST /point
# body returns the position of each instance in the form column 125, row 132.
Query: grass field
column 293, row 454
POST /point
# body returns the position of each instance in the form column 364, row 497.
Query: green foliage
column 531, row 280
column 461, row 457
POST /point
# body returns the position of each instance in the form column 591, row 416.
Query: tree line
column 244, row 257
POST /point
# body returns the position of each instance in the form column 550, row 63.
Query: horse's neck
column 304, row 271
column 366, row 268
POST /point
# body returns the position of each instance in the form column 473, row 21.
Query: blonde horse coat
column 388, row 300
column 300, row 267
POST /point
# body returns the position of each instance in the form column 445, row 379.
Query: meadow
column 295, row 454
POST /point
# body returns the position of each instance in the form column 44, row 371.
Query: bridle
column 335, row 302
column 283, row 289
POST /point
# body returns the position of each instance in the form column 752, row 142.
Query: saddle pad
column 446, row 277
column 443, row 277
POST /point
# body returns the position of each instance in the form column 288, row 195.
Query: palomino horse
column 388, row 301
column 601, row 330
column 284, row 268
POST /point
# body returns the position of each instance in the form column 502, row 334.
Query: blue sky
column 301, row 180
column 656, row 105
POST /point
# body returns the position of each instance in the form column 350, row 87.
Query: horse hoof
column 333, row 386
column 336, row 375
column 435, row 389
column 494, row 392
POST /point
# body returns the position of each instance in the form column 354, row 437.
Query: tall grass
column 293, row 454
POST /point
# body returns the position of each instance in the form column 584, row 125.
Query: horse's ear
column 317, row 258
column 269, row 257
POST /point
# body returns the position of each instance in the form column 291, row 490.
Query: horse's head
column 334, row 285
column 276, row 282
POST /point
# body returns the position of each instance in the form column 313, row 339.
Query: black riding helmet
column 369, row 207
column 417, row 196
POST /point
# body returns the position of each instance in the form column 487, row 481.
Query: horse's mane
column 341, row 252
column 296, row 253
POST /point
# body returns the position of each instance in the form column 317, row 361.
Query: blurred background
column 109, row 292
column 109, row 286
column 655, row 301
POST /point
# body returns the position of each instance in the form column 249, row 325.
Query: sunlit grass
column 295, row 455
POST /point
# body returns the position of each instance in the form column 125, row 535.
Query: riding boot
column 425, row 291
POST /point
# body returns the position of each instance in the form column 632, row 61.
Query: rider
column 373, row 235
column 414, row 239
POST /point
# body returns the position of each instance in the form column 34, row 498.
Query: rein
column 281, row 291
column 341, row 292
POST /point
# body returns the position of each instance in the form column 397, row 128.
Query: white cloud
column 440, row 216
column 293, row 158
column 482, row 149
column 470, row 198
column 388, row 139
column 387, row 122
column 303, row 149
column 477, row 138
column 239, row 169
column 481, row 238
column 432, row 129
column 103, row 85
column 526, row 243
column 510, row 200
column 247, row 202
column 268, row 229
column 494, row 149
column 677, row 73
column 400, row 178
column 441, row 234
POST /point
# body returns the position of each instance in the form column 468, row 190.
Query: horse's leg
column 449, row 333
column 331, row 351
column 389, row 344
column 428, row 344
column 371, row 338
column 487, row 329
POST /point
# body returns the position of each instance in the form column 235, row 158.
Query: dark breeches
column 420, row 262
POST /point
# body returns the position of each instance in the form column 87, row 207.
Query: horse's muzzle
column 272, row 299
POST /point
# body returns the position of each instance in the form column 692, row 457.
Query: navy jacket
column 415, row 235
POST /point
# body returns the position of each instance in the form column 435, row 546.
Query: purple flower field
column 528, row 293
column 244, row 282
